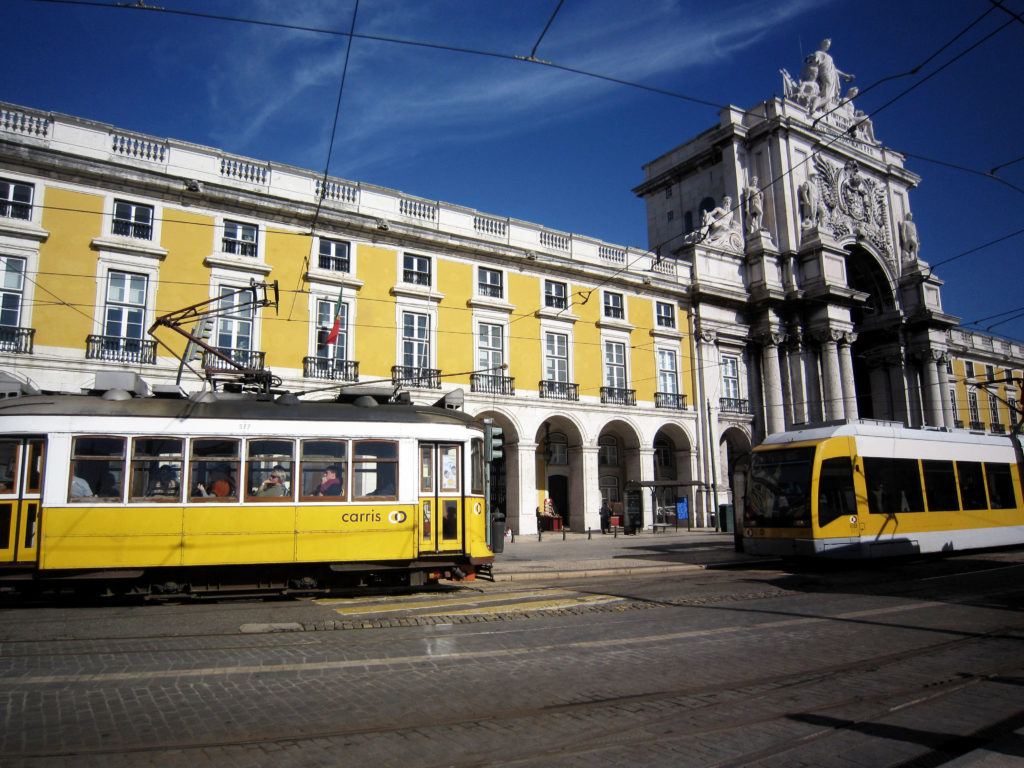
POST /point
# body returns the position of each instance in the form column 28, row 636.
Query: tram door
column 440, row 512
column 21, row 475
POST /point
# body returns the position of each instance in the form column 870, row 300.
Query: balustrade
column 670, row 400
column 489, row 384
column 330, row 368
column 18, row 340
column 413, row 376
column 559, row 390
column 118, row 349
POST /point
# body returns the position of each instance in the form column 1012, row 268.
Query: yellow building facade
column 578, row 349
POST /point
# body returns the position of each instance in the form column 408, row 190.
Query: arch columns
column 934, row 413
column 775, row 416
column 832, row 384
column 525, row 464
column 846, row 371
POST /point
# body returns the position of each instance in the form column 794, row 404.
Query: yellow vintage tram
column 235, row 492
column 876, row 489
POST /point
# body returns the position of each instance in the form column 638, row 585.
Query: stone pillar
column 798, row 383
column 932, row 393
column 846, row 368
column 775, row 419
column 590, row 493
column 647, row 473
column 832, row 386
column 523, row 515
column 815, row 398
column 787, row 387
column 948, row 418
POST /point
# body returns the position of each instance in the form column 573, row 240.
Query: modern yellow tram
column 231, row 492
column 875, row 489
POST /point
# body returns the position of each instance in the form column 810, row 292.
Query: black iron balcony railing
column 415, row 277
column 412, row 376
column 618, row 396
column 138, row 230
column 733, row 405
column 958, row 423
column 117, row 349
column 492, row 385
column 239, row 247
column 670, row 400
column 330, row 368
column 996, row 428
column 978, row 426
column 18, row 340
column 249, row 359
column 559, row 390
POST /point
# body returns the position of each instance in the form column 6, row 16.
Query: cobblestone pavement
column 909, row 666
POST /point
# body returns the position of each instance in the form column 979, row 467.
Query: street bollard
column 563, row 533
column 588, row 534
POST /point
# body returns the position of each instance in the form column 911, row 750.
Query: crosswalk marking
column 532, row 605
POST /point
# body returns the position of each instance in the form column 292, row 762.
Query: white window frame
column 613, row 305
column 549, row 335
column 731, row 389
column 664, row 373
column 336, row 351
column 9, row 205
column 412, row 264
column 663, row 319
column 125, row 307
column 232, row 323
column 420, row 344
column 616, row 363
column 488, row 288
column 232, row 231
column 489, row 357
column 552, row 299
column 333, row 257
column 18, row 292
column 131, row 227
column 973, row 412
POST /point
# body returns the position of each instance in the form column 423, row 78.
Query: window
column 269, row 470
column 607, row 451
column 333, row 255
column 894, row 486
column 240, row 239
column 731, row 378
column 952, row 405
column 557, row 446
column 489, row 283
column 556, row 357
column 668, row 378
column 665, row 314
column 156, row 469
column 555, row 295
column 609, row 487
column 234, row 329
column 416, row 270
column 972, row 409
column 940, row 486
column 15, row 200
column 97, row 469
column 326, row 311
column 969, row 370
column 124, row 314
column 972, row 484
column 374, row 469
column 836, row 497
column 490, row 352
column 990, row 372
column 324, row 468
column 993, row 408
column 133, row 220
column 613, row 306
column 615, row 364
column 415, row 340
column 214, row 469
column 12, row 285
column 999, row 480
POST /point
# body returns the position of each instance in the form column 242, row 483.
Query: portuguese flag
column 333, row 335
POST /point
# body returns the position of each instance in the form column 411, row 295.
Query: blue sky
column 513, row 138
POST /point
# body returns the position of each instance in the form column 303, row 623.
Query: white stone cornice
column 413, row 291
column 550, row 313
column 23, row 229
column 241, row 263
column 667, row 333
column 615, row 325
column 331, row 277
column 489, row 302
column 129, row 246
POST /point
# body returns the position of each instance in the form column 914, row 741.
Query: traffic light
column 494, row 447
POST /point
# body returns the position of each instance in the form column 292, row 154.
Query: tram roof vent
column 129, row 382
column 365, row 401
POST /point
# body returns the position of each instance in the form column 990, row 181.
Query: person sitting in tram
column 331, row 485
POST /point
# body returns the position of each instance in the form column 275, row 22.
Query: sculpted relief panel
column 851, row 204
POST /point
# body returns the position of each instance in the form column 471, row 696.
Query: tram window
column 426, row 469
column 9, row 466
column 972, row 485
column 894, row 486
column 1000, row 486
column 450, row 519
column 97, row 469
column 269, row 468
column 450, row 469
column 374, row 469
column 477, row 468
column 34, row 475
column 324, row 468
column 836, row 497
column 156, row 469
column 780, row 487
column 940, row 485
column 214, row 469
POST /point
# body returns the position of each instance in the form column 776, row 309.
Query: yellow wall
column 455, row 342
column 526, row 354
column 588, row 356
column 285, row 333
column 188, row 239
column 642, row 359
column 375, row 332
column 65, row 292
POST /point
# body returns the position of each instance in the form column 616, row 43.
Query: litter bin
column 498, row 533
column 725, row 518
